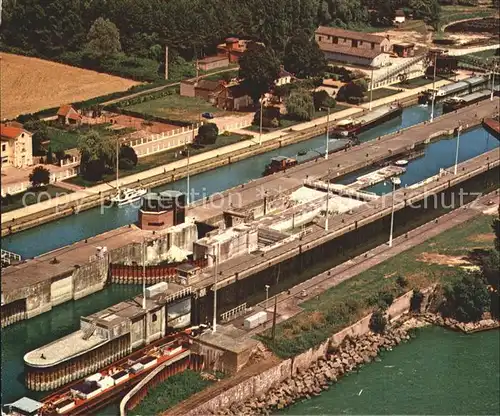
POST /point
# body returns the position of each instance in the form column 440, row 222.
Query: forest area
column 128, row 37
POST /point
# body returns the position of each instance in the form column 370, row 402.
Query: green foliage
column 427, row 10
column 128, row 153
column 490, row 270
column 299, row 105
column 60, row 154
column 207, row 133
column 103, row 39
column 343, row 13
column 496, row 229
column 468, row 298
column 40, row 134
column 382, row 300
column 97, row 155
column 401, row 281
column 50, row 156
column 259, row 68
column 416, row 300
column 39, row 176
column 303, row 58
column 354, row 89
column 378, row 322
column 322, row 99
column 173, row 390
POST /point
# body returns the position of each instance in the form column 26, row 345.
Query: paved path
column 80, row 196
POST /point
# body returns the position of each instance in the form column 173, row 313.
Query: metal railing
column 234, row 313
column 8, row 257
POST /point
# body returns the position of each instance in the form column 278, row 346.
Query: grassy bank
column 172, row 391
column 32, row 196
column 342, row 305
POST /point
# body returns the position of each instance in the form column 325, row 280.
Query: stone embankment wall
column 252, row 395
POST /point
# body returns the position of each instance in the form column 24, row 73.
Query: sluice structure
column 109, row 335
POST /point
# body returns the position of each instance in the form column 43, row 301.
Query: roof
column 284, row 73
column 65, row 109
column 404, row 44
column 74, row 116
column 347, row 50
column 27, row 405
column 210, row 59
column 237, row 90
column 11, row 132
column 232, row 39
column 349, row 34
column 206, row 84
column 400, row 12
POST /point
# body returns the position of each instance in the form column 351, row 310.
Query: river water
column 439, row 373
column 68, row 230
column 24, row 336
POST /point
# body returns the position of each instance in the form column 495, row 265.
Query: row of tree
column 141, row 28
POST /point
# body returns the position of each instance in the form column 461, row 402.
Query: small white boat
column 127, row 196
column 402, row 162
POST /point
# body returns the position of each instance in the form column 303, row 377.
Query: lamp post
column 267, row 294
column 260, row 122
column 432, row 106
column 327, row 199
column 187, row 178
column 144, row 273
column 371, row 90
column 395, row 181
column 327, row 133
column 215, row 259
column 493, row 82
column 456, row 152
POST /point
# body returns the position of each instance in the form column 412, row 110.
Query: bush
column 299, row 105
column 322, row 99
column 468, row 298
column 39, row 176
column 354, row 100
column 207, row 133
column 416, row 300
column 382, row 300
column 401, row 281
column 274, row 123
column 378, row 322
column 126, row 164
column 128, row 153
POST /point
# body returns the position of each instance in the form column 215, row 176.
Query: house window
column 373, row 45
column 335, row 39
column 360, row 42
column 319, row 38
column 4, row 147
column 354, row 43
column 154, row 318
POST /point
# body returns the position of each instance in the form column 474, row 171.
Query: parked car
column 208, row 115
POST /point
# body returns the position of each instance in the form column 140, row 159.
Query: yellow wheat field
column 31, row 84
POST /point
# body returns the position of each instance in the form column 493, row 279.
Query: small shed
column 404, row 49
column 399, row 17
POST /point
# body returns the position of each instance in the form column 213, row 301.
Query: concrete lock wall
column 61, row 290
column 261, row 383
column 90, row 278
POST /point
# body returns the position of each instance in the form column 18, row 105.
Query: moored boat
column 353, row 126
column 127, row 196
column 455, row 103
column 278, row 164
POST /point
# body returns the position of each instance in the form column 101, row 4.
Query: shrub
column 378, row 322
column 126, row 164
column 274, row 123
column 416, row 300
column 128, row 153
column 354, row 100
column 207, row 133
column 401, row 281
column 39, row 176
column 382, row 300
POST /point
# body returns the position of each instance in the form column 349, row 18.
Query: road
column 79, row 198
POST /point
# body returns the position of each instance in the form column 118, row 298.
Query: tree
column 299, row 105
column 378, row 322
column 323, row 100
column 208, row 133
column 352, row 90
column 416, row 300
column 103, row 39
column 39, row 176
column 428, row 10
column 50, row 156
column 60, row 154
column 259, row 69
column 97, row 155
column 468, row 298
column 40, row 134
column 496, row 229
column 128, row 153
column 303, row 57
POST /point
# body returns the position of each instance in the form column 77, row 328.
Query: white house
column 400, row 17
column 284, row 77
column 17, row 146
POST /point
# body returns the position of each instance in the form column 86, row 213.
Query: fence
column 414, row 67
column 55, row 177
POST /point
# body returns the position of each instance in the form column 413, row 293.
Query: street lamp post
column 432, row 106
column 371, row 90
column 260, row 122
column 215, row 259
column 327, row 199
column 267, row 294
column 493, row 82
column 187, row 178
column 395, row 181
column 327, row 133
column 456, row 152
column 143, row 274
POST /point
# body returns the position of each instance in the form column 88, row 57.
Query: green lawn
column 176, row 107
column 454, row 13
column 488, row 54
column 173, row 390
column 413, row 83
column 64, row 139
column 31, row 197
column 381, row 93
column 346, row 303
column 287, row 123
column 162, row 158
